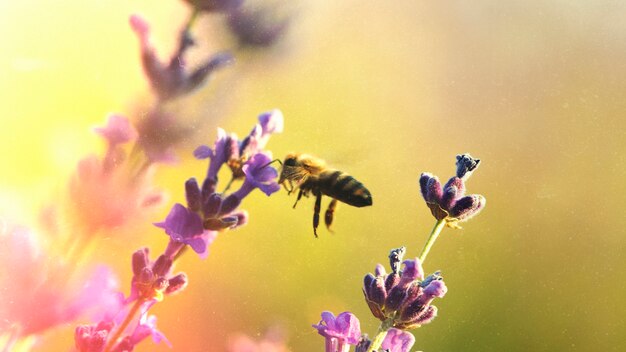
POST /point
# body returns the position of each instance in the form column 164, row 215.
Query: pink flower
column 340, row 331
column 41, row 291
column 272, row 341
column 398, row 341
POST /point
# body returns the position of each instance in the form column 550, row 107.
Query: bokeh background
column 383, row 90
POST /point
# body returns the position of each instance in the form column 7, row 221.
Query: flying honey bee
column 311, row 175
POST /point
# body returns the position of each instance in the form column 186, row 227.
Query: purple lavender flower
column 90, row 338
column 259, row 175
column 173, row 80
column 147, row 327
column 403, row 296
column 340, row 331
column 185, row 226
column 398, row 341
column 152, row 280
column 449, row 203
column 226, row 147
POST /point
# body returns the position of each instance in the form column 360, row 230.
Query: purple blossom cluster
column 196, row 225
column 449, row 202
column 403, row 296
column 209, row 211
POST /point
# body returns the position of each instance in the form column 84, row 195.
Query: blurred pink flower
column 40, row 291
column 272, row 341
column 109, row 192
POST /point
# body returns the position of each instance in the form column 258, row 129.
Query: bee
column 309, row 174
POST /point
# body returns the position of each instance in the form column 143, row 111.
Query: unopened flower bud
column 213, row 205
column 376, row 291
column 140, row 260
column 395, row 258
column 177, row 284
column 162, row 266
column 466, row 207
column 146, row 276
column 193, row 195
column 465, row 165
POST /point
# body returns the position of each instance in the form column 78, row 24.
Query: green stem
column 129, row 317
column 431, row 239
column 380, row 337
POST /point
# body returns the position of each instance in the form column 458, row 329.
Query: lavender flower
column 105, row 192
column 94, row 338
column 152, row 280
column 403, row 296
column 398, row 341
column 186, row 227
column 449, row 203
column 173, row 80
column 340, row 331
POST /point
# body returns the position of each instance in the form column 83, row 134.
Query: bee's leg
column 316, row 212
column 298, row 199
column 328, row 217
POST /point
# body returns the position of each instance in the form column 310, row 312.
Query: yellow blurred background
column 383, row 90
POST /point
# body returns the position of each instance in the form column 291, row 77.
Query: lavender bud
column 416, row 315
column 449, row 197
column 467, row 207
column 242, row 218
column 395, row 298
column 364, row 344
column 145, row 276
column 376, row 291
column 395, row 258
column 208, row 188
column 230, row 204
column 193, row 195
column 465, row 166
column 434, row 192
column 374, row 308
column 380, row 270
column 412, row 293
column 177, row 284
column 213, row 205
column 391, row 281
column 367, row 281
column 140, row 260
column 162, row 266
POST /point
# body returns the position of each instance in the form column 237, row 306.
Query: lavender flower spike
column 398, row 341
column 340, row 331
column 449, row 202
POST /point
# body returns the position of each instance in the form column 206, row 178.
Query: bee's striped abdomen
column 343, row 187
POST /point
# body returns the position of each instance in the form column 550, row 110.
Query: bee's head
column 291, row 160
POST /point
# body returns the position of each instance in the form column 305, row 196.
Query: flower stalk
column 129, row 317
column 380, row 336
column 434, row 234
